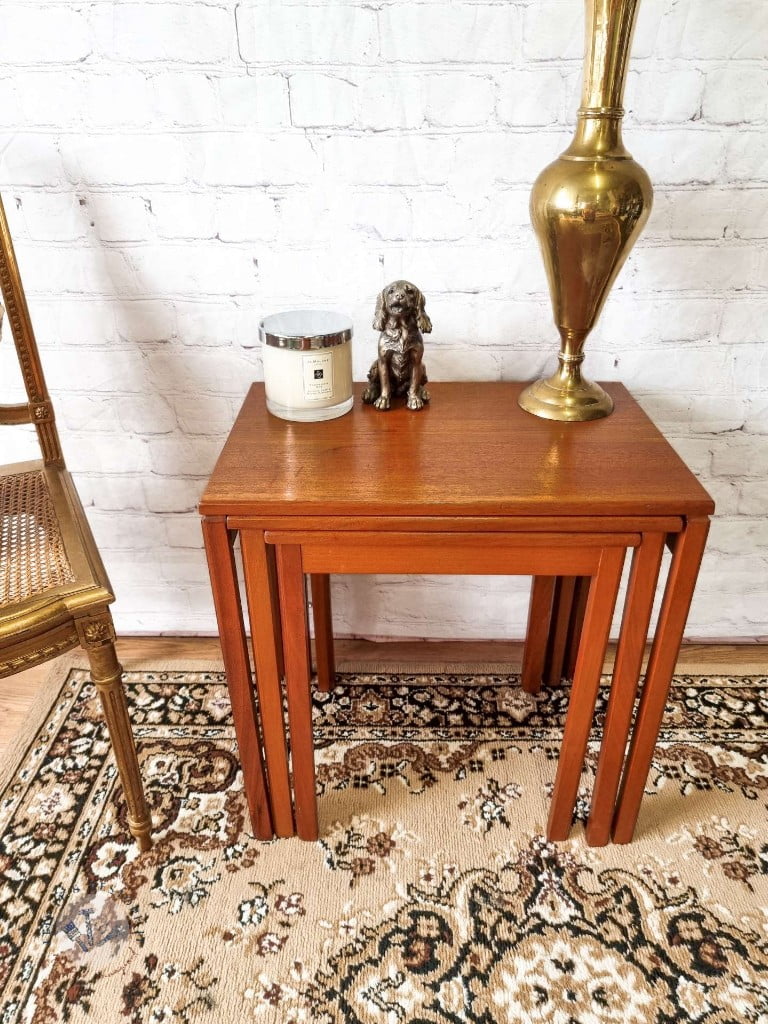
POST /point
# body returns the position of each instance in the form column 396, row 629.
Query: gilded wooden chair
column 54, row 592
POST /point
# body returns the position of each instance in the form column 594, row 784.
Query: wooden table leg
column 555, row 621
column 678, row 593
column 293, row 610
column 234, row 649
column 646, row 561
column 272, row 563
column 586, row 681
column 575, row 625
column 320, row 584
column 537, row 632
column 562, row 605
column 266, row 638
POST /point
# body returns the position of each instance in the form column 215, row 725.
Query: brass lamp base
column 566, row 399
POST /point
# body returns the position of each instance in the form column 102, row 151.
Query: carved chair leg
column 97, row 638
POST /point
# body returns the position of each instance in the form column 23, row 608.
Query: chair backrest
column 38, row 408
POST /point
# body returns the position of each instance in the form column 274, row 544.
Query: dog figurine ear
column 380, row 314
column 423, row 322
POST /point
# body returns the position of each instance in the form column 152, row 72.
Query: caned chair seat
column 50, row 569
column 33, row 558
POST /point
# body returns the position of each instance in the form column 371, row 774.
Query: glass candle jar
column 307, row 358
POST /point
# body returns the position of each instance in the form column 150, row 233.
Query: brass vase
column 588, row 208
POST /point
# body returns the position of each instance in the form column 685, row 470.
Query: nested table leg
column 320, row 584
column 537, row 632
column 581, row 707
column 575, row 624
column 272, row 563
column 555, row 621
column 636, row 618
column 293, row 610
column 562, row 606
column 226, row 598
column 678, row 593
column 266, row 639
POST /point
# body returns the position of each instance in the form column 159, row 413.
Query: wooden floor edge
column 716, row 652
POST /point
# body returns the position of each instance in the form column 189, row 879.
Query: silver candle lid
column 305, row 329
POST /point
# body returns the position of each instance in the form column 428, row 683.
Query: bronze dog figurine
column 399, row 369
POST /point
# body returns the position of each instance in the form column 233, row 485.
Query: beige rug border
column 59, row 671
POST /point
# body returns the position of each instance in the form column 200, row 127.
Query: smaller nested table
column 471, row 484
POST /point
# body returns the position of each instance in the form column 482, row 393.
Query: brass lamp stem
column 569, row 359
column 609, row 25
column 597, row 136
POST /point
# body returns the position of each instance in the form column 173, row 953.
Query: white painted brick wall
column 173, row 171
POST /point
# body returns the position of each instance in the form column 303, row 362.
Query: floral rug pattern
column 432, row 896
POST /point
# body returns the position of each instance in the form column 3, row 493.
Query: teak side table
column 471, row 484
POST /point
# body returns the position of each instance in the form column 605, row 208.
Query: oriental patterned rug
column 432, row 896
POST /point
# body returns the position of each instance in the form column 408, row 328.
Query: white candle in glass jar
column 307, row 358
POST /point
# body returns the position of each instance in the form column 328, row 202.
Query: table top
column 472, row 452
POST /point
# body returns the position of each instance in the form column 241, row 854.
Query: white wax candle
column 307, row 359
